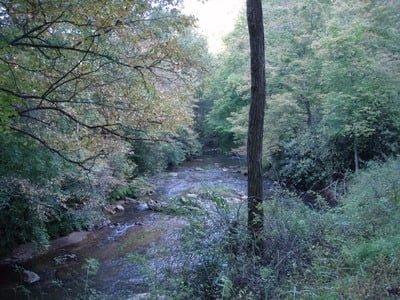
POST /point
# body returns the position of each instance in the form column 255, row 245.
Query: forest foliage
column 92, row 95
column 331, row 144
column 332, row 84
column 96, row 94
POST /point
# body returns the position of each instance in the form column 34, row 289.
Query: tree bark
column 356, row 159
column 256, row 122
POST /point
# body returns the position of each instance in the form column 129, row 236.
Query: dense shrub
column 20, row 158
column 32, row 213
column 151, row 157
column 350, row 252
column 22, row 218
column 215, row 254
column 369, row 223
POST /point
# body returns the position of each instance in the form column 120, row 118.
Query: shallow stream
column 130, row 246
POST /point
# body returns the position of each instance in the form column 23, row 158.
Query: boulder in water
column 30, row 277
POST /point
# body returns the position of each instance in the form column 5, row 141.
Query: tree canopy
column 77, row 74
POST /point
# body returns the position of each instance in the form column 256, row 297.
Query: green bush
column 215, row 254
column 21, row 158
column 31, row 213
column 122, row 191
column 22, row 218
column 369, row 223
column 350, row 252
column 372, row 205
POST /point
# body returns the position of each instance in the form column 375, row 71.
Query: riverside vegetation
column 96, row 97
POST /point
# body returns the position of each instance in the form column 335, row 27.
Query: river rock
column 110, row 210
column 62, row 259
column 156, row 205
column 130, row 200
column 119, row 207
column 142, row 206
column 30, row 277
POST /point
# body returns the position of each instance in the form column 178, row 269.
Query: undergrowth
column 350, row 252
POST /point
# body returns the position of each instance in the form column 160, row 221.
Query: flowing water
column 131, row 247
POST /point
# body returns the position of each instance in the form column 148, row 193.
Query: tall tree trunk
column 356, row 159
column 256, row 122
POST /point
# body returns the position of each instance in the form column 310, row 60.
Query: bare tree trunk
column 256, row 122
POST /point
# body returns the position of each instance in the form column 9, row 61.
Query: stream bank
column 114, row 262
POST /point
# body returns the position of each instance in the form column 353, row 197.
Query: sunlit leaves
column 85, row 72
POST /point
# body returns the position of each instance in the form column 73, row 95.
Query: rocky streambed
column 114, row 262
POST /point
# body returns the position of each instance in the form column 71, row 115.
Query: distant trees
column 333, row 88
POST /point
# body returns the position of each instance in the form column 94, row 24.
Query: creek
column 136, row 242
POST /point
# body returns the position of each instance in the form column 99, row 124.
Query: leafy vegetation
column 350, row 252
column 90, row 99
column 97, row 95
column 332, row 72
